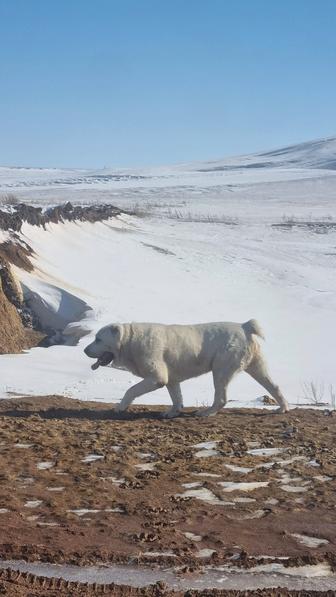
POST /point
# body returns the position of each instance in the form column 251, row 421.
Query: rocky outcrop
column 67, row 212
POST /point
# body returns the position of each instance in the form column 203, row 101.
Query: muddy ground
column 81, row 485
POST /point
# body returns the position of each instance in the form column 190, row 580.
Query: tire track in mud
column 24, row 584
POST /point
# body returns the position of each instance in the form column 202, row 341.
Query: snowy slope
column 225, row 262
column 293, row 161
column 319, row 154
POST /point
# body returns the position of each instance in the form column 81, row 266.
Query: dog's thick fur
column 165, row 355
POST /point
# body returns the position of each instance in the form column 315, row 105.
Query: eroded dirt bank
column 82, row 486
column 16, row 333
column 20, row 327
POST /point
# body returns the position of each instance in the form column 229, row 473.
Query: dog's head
column 106, row 346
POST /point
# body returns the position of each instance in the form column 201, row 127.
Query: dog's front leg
column 143, row 387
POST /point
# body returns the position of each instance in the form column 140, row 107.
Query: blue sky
column 95, row 83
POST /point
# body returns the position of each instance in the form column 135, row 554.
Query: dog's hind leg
column 175, row 393
column 221, row 376
column 258, row 370
column 143, row 387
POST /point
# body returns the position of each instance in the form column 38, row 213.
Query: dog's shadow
column 90, row 415
column 109, row 414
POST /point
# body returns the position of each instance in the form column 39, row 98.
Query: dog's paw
column 119, row 409
column 283, row 408
column 206, row 412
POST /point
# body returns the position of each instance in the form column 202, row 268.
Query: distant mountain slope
column 294, row 161
column 312, row 154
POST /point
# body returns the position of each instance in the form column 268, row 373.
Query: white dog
column 165, row 355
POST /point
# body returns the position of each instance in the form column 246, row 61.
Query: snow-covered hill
column 314, row 155
column 204, row 248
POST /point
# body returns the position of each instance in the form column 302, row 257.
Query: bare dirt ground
column 81, row 485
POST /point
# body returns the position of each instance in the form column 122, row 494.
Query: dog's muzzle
column 103, row 361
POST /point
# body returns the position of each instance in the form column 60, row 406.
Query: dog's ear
column 115, row 329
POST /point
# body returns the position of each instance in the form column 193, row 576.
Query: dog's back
column 189, row 350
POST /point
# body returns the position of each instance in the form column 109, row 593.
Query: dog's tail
column 253, row 327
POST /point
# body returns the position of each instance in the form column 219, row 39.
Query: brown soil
column 17, row 253
column 12, row 333
column 151, row 515
column 14, row 336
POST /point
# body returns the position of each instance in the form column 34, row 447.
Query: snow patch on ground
column 236, row 486
column 309, row 541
